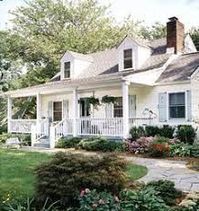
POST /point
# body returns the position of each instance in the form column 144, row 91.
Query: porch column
column 125, row 101
column 38, row 126
column 9, row 114
column 75, row 111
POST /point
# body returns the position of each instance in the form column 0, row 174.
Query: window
column 128, row 62
column 118, row 108
column 57, row 111
column 67, row 70
column 177, row 105
column 84, row 108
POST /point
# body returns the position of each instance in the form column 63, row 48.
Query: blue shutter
column 132, row 106
column 162, row 100
column 188, row 104
column 65, row 109
column 50, row 110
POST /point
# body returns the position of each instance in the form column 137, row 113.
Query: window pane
column 177, row 105
column 118, row 108
column 128, row 63
column 177, row 99
column 67, row 70
column 177, row 112
column 57, row 111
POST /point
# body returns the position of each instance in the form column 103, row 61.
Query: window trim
column 168, row 107
column 131, row 59
column 53, row 109
column 67, row 71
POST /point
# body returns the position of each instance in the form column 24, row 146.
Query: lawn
column 17, row 172
column 135, row 172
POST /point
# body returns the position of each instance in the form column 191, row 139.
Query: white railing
column 42, row 129
column 140, row 121
column 21, row 125
column 63, row 128
column 100, row 126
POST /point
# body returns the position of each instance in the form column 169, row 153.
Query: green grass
column 16, row 172
column 136, row 171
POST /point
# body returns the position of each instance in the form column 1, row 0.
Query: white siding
column 146, row 97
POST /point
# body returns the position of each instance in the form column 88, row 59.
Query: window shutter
column 65, row 109
column 188, row 104
column 50, row 110
column 132, row 106
column 162, row 98
column 109, row 110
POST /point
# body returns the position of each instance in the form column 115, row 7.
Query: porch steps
column 43, row 143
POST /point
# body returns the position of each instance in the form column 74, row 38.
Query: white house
column 153, row 83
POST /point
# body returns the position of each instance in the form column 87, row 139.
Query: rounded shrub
column 66, row 175
column 137, row 132
column 186, row 133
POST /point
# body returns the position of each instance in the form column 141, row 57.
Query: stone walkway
column 176, row 171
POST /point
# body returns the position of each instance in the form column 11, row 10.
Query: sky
column 149, row 11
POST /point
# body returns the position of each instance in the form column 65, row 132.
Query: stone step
column 42, row 145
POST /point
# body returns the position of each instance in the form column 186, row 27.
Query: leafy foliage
column 101, row 144
column 186, row 133
column 92, row 200
column 67, row 174
column 142, row 200
column 137, row 132
column 166, row 190
column 68, row 142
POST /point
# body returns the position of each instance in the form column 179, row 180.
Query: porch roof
column 64, row 85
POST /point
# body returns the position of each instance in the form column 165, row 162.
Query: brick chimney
column 175, row 35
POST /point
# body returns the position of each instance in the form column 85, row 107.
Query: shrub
column 4, row 137
column 186, row 133
column 184, row 150
column 166, row 190
column 167, row 131
column 92, row 200
column 140, row 146
column 101, row 144
column 65, row 175
column 68, row 142
column 152, row 131
column 159, row 147
column 142, row 200
column 137, row 132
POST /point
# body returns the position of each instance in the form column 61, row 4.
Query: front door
column 85, row 108
column 85, row 112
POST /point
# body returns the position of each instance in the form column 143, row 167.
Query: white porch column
column 9, row 113
column 38, row 129
column 125, row 101
column 75, row 112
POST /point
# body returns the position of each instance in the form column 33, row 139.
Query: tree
column 194, row 32
column 156, row 31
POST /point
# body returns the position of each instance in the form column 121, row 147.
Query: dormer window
column 128, row 60
column 67, row 70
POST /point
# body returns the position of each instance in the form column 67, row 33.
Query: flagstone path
column 176, row 171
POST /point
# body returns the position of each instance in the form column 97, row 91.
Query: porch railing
column 140, row 121
column 63, row 128
column 21, row 125
column 100, row 126
column 42, row 129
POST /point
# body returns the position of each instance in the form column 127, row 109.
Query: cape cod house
column 106, row 93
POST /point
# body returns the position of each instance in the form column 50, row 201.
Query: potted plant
column 109, row 99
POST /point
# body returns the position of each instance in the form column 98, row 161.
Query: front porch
column 62, row 114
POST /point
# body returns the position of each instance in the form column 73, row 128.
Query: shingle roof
column 181, row 69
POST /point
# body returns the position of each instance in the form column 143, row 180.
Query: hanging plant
column 93, row 101
column 109, row 99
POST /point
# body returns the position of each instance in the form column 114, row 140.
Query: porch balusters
column 75, row 111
